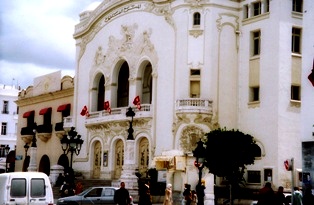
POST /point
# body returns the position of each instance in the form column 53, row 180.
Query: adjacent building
column 43, row 108
column 8, row 120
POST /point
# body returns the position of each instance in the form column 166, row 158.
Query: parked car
column 93, row 196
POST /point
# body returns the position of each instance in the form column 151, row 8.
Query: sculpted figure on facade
column 190, row 136
column 99, row 57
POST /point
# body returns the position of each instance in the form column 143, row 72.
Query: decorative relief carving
column 189, row 137
column 196, row 33
column 227, row 19
column 99, row 57
column 196, row 3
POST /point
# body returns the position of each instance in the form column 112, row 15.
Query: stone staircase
column 86, row 184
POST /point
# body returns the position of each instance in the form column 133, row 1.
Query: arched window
column 101, row 94
column 196, row 19
column 123, row 86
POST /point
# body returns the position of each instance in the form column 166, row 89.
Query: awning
column 64, row 107
column 28, row 114
column 45, row 110
column 163, row 158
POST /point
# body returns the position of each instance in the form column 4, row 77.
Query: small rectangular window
column 268, row 175
column 253, row 177
column 257, row 8
column 295, row 92
column 256, row 41
column 5, row 109
column 4, row 128
column 266, row 6
column 296, row 40
column 18, row 187
column 195, row 72
column 245, row 11
column 254, row 94
column 297, row 5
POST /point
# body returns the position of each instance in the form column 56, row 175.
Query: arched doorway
column 97, row 160
column 147, row 85
column 123, row 86
column 143, row 159
column 64, row 161
column 101, row 94
column 44, row 165
column 119, row 159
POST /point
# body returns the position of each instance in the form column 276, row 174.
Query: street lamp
column 72, row 144
column 199, row 153
column 34, row 136
column 130, row 113
column 26, row 146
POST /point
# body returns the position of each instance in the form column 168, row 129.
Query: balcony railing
column 27, row 131
column 191, row 105
column 45, row 128
column 117, row 114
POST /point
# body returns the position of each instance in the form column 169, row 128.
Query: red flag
column 137, row 102
column 107, row 106
column 311, row 76
column 84, row 111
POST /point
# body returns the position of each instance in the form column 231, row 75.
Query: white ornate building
column 196, row 65
column 8, row 120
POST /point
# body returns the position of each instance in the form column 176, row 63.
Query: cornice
column 45, row 97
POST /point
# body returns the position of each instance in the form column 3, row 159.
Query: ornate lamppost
column 199, row 153
column 128, row 169
column 26, row 146
column 130, row 113
column 71, row 143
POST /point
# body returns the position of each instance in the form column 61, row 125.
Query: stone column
column 33, row 160
column 128, row 170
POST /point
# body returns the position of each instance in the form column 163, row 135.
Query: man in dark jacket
column 122, row 196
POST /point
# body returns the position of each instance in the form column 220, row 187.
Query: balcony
column 116, row 115
column 27, row 134
column 194, row 105
column 59, row 130
column 44, row 132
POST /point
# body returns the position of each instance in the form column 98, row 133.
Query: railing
column 117, row 114
column 194, row 105
column 45, row 128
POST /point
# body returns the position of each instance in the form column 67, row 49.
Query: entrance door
column 97, row 160
column 143, row 157
column 119, row 159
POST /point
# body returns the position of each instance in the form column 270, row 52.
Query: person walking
column 266, row 195
column 297, row 197
column 280, row 198
column 187, row 194
column 168, row 195
column 122, row 196
column 308, row 198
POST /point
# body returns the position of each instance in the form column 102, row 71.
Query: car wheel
column 73, row 203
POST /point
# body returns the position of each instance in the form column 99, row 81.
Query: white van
column 25, row 188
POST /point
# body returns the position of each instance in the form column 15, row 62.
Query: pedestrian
column 194, row 197
column 122, row 196
column 168, row 195
column 67, row 189
column 187, row 194
column 280, row 198
column 308, row 198
column 60, row 180
column 78, row 188
column 266, row 195
column 297, row 197
column 145, row 197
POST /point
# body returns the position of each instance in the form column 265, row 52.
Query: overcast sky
column 36, row 38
